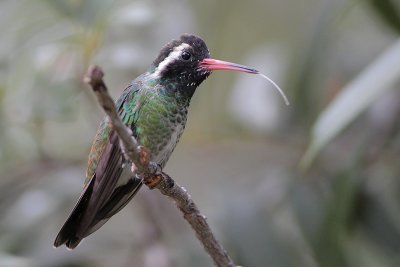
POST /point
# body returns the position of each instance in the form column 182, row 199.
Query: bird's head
column 186, row 63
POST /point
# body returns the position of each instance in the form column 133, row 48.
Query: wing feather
column 109, row 185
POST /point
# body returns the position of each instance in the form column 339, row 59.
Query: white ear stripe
column 175, row 54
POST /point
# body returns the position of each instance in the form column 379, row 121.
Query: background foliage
column 313, row 184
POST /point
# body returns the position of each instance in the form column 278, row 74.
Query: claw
column 152, row 181
column 155, row 168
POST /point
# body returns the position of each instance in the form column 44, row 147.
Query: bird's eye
column 186, row 55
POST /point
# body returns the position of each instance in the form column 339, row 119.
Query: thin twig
column 153, row 176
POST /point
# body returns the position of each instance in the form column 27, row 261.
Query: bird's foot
column 154, row 168
column 152, row 180
column 155, row 175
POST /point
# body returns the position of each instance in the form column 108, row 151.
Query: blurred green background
column 313, row 184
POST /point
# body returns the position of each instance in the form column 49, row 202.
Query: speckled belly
column 160, row 131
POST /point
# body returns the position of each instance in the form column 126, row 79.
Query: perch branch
column 153, row 176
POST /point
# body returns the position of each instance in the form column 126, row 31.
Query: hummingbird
column 155, row 107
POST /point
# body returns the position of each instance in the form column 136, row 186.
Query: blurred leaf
column 309, row 71
column 360, row 252
column 357, row 96
column 381, row 222
column 84, row 12
column 389, row 11
column 338, row 219
column 7, row 260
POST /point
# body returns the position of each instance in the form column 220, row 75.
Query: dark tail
column 85, row 220
column 68, row 233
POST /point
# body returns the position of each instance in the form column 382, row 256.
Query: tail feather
column 84, row 220
column 67, row 234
